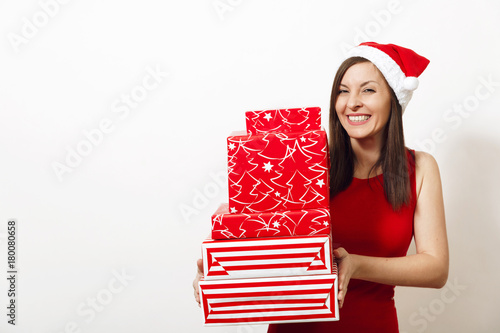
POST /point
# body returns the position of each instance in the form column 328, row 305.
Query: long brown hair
column 393, row 159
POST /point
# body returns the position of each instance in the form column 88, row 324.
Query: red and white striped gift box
column 266, row 257
column 270, row 300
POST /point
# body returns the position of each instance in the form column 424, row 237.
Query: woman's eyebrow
column 362, row 84
column 367, row 82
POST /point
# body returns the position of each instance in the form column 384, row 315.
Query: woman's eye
column 342, row 91
column 369, row 90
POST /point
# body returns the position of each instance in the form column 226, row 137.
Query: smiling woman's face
column 364, row 102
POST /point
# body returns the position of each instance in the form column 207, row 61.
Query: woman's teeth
column 356, row 119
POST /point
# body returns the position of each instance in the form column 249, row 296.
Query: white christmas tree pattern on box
column 283, row 120
column 305, row 222
column 277, row 171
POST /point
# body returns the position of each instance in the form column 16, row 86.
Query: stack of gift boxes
column 269, row 259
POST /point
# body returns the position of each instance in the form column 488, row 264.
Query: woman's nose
column 354, row 102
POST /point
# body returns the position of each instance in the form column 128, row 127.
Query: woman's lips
column 358, row 119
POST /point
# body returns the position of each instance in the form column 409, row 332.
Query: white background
column 118, row 210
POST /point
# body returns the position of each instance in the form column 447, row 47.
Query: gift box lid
column 283, row 120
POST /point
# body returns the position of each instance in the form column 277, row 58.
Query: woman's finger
column 199, row 263
column 340, row 255
column 199, row 275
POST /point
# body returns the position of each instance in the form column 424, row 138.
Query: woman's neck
column 367, row 153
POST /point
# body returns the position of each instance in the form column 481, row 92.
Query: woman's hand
column 198, row 277
column 347, row 267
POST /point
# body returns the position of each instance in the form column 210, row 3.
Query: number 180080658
column 11, row 243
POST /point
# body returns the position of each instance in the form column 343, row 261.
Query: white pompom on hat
column 400, row 66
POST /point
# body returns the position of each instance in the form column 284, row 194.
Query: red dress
column 364, row 223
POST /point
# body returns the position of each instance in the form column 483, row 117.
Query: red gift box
column 306, row 222
column 270, row 300
column 277, row 171
column 266, row 257
column 284, row 120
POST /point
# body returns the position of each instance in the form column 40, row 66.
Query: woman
column 382, row 194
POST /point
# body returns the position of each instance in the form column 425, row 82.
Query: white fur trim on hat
column 403, row 86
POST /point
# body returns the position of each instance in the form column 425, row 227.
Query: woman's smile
column 356, row 119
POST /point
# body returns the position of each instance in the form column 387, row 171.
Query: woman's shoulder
column 426, row 169
column 424, row 161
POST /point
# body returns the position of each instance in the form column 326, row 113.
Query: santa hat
column 400, row 66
